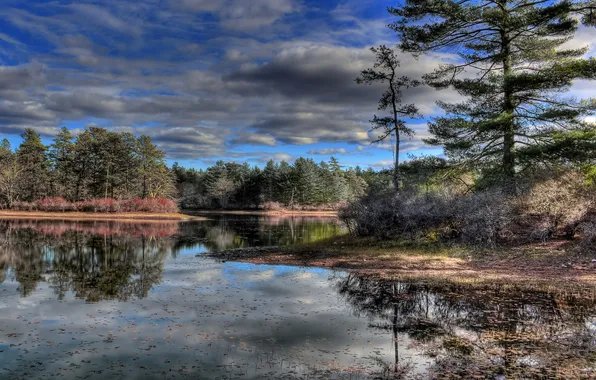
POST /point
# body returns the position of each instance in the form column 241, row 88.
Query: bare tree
column 9, row 182
column 385, row 71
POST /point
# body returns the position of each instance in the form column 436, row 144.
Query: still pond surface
column 117, row 300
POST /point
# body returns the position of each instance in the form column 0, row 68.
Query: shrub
column 271, row 206
column 98, row 205
column 557, row 204
column 550, row 205
column 24, row 206
column 53, row 204
column 104, row 205
column 157, row 205
column 481, row 219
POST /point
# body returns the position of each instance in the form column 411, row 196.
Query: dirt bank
column 552, row 263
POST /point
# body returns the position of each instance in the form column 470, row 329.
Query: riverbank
column 329, row 213
column 554, row 262
column 74, row 216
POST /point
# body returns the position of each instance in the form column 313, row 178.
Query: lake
column 119, row 300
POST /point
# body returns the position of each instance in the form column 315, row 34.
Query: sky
column 211, row 80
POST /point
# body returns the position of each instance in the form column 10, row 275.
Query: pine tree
column 307, row 181
column 269, row 181
column 334, row 165
column 35, row 169
column 82, row 164
column 155, row 179
column 512, row 68
column 61, row 155
column 385, row 70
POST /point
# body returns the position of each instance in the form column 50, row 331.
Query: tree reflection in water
column 96, row 261
column 480, row 331
column 101, row 260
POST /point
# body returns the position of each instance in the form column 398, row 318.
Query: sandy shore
column 137, row 216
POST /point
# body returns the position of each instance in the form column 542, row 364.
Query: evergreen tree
column 334, row 165
column 307, row 181
column 34, row 167
column 512, row 68
column 286, row 186
column 218, row 184
column 61, row 155
column 385, row 70
column 82, row 164
column 269, row 181
column 154, row 176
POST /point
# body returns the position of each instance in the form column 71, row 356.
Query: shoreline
column 329, row 213
column 76, row 216
column 541, row 264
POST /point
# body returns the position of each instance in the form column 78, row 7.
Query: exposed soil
column 74, row 216
column 549, row 263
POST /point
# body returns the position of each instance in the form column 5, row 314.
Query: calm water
column 101, row 300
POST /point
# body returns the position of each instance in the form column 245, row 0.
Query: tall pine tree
column 61, row 155
column 511, row 68
column 35, row 167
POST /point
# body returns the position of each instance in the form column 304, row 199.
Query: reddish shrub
column 105, row 205
column 98, row 205
column 54, row 204
column 157, row 205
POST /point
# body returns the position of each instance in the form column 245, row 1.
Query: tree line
column 303, row 184
column 100, row 164
column 95, row 164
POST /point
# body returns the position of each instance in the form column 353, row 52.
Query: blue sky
column 208, row 79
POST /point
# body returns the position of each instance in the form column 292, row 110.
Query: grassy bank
column 551, row 263
column 74, row 215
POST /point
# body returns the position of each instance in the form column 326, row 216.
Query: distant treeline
column 99, row 164
column 302, row 185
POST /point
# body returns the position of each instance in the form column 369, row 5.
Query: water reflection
column 101, row 260
column 127, row 300
column 480, row 331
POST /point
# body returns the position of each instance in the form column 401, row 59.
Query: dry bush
column 551, row 205
column 482, row 219
column 555, row 205
column 587, row 230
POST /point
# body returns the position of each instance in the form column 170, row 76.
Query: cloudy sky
column 207, row 79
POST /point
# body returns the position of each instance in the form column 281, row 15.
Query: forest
column 105, row 171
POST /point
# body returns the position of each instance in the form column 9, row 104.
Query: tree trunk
column 508, row 167
column 395, row 125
